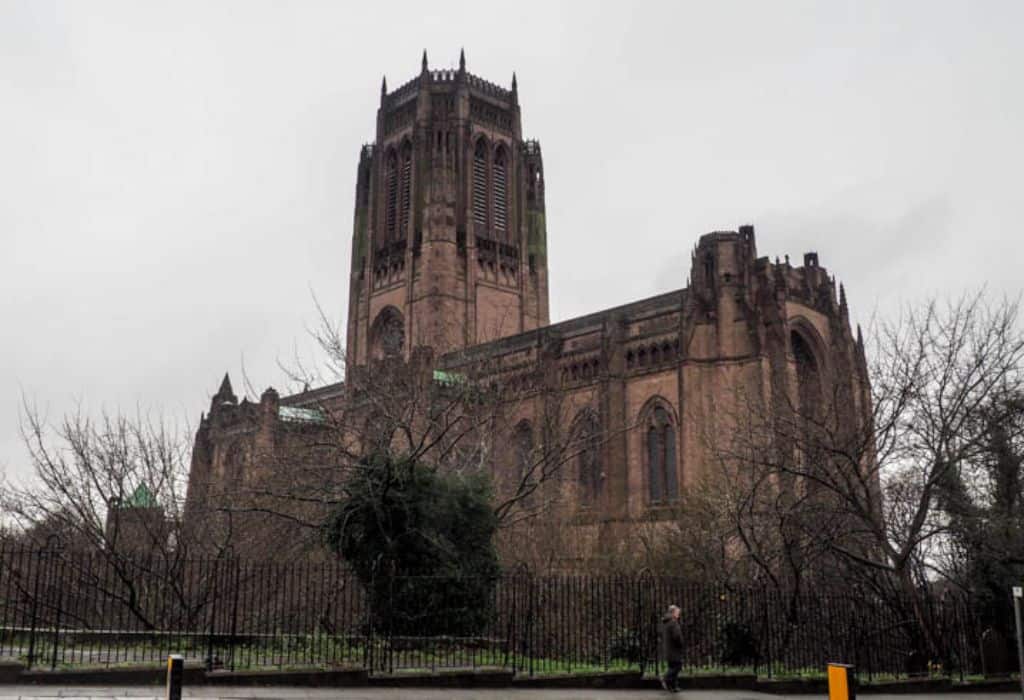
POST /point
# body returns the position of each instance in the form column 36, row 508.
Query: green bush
column 421, row 542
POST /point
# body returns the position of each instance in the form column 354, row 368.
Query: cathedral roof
column 661, row 302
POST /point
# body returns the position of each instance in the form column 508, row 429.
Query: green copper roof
column 448, row 378
column 142, row 497
column 292, row 414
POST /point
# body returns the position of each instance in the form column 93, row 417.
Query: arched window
column 501, row 193
column 480, row 185
column 808, row 376
column 364, row 192
column 522, row 444
column 587, row 444
column 661, row 456
column 234, row 462
column 387, row 335
column 391, row 187
column 405, row 190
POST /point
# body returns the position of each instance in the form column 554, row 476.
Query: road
column 211, row 693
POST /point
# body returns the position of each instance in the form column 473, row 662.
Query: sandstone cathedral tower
column 448, row 246
column 449, row 263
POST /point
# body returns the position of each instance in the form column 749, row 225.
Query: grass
column 340, row 652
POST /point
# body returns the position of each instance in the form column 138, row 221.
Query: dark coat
column 671, row 640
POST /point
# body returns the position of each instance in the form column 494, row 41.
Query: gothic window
column 587, row 443
column 391, row 187
column 387, row 334
column 501, row 193
column 480, row 185
column 234, row 462
column 522, row 444
column 661, row 456
column 406, row 189
column 808, row 376
column 364, row 193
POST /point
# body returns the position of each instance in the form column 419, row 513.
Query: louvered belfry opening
column 500, row 194
column 404, row 203
column 480, row 186
column 391, row 175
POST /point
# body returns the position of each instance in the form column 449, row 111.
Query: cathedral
column 449, row 262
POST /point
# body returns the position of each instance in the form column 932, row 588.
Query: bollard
column 1018, row 593
column 175, row 671
column 842, row 685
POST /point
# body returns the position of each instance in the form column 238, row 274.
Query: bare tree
column 106, row 500
column 863, row 485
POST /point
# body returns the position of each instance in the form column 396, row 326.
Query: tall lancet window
column 661, row 457
column 522, row 444
column 406, row 191
column 807, row 376
column 391, row 187
column 501, row 193
column 480, row 185
column 587, row 443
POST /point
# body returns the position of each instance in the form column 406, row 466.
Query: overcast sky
column 176, row 179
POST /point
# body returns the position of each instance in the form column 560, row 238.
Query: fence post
column 513, row 642
column 510, row 643
column 767, row 626
column 529, row 624
column 641, row 624
column 40, row 557
column 390, row 643
column 234, row 613
column 639, row 634
column 60, row 601
column 213, row 617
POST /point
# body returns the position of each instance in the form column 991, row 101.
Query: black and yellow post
column 842, row 684
column 175, row 671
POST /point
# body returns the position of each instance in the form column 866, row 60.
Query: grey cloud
column 176, row 177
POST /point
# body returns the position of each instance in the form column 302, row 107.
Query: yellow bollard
column 841, row 682
column 175, row 670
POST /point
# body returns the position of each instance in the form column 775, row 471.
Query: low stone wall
column 15, row 673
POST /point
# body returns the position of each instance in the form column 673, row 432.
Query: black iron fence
column 61, row 609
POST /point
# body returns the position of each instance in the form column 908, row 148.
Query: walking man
column 672, row 648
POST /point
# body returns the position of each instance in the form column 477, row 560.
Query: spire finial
column 225, row 386
column 384, row 86
column 842, row 295
column 424, row 60
column 462, row 59
column 225, row 394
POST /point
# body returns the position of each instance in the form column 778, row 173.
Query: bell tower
column 449, row 241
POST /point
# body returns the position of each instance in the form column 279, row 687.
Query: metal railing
column 61, row 609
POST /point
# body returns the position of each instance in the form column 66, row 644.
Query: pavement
column 226, row 693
